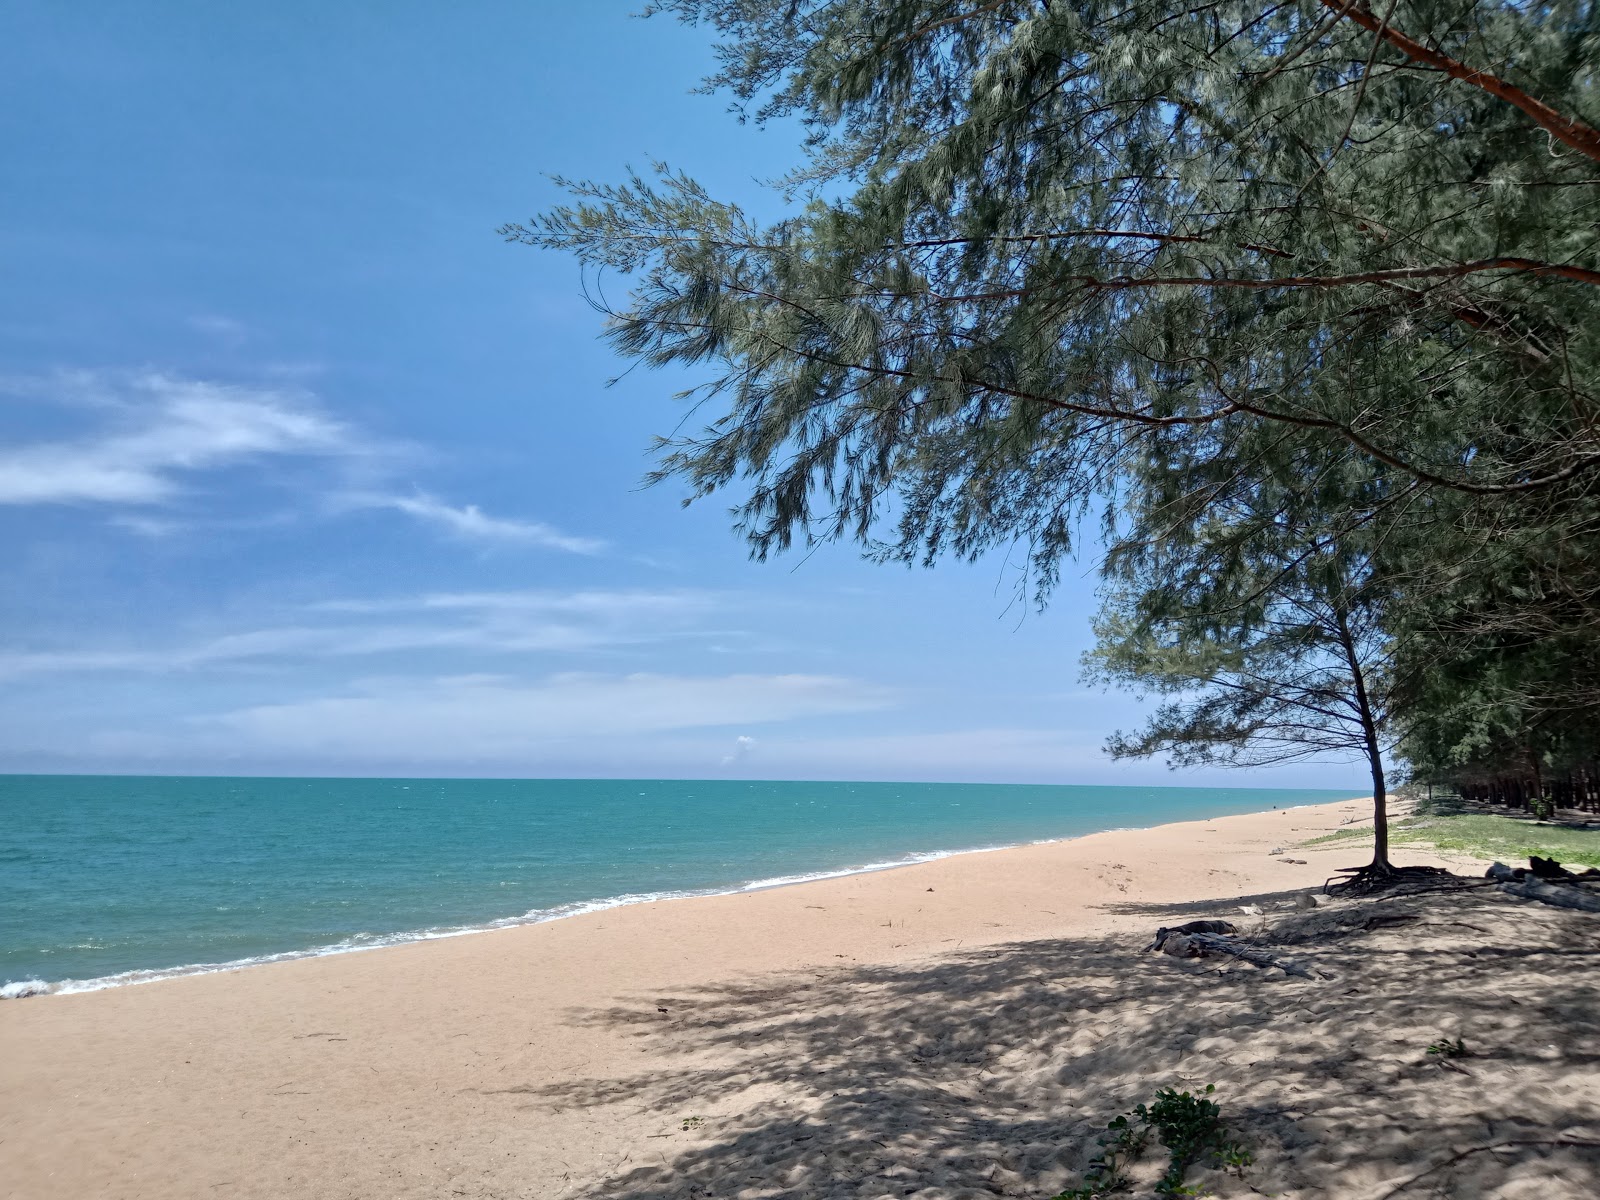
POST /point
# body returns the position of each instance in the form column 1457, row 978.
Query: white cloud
column 593, row 604
column 492, row 718
column 473, row 524
column 464, row 623
column 156, row 432
column 742, row 746
column 162, row 427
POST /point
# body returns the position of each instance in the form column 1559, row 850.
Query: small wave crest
column 537, row 916
column 26, row 987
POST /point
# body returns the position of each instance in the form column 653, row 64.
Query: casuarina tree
column 1033, row 246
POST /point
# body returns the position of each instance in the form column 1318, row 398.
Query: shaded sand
column 855, row 1037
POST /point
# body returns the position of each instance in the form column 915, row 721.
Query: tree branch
column 1567, row 130
column 1528, row 266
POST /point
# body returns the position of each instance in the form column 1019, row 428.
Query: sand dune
column 960, row 1028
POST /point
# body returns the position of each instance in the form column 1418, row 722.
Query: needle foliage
column 1301, row 299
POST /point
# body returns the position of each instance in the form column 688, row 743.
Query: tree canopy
column 1039, row 252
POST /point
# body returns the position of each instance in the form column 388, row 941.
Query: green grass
column 1483, row 835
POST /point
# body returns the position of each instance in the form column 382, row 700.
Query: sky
column 305, row 471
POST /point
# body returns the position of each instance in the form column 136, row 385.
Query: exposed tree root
column 1376, row 878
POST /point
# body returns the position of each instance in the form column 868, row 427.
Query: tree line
column 1294, row 304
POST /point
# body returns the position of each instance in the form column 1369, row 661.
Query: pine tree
column 1037, row 252
column 1027, row 232
column 1264, row 630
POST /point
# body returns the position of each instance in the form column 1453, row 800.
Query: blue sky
column 303, row 470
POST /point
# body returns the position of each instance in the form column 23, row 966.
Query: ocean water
column 116, row 879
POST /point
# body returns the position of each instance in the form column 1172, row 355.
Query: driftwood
column 1199, row 938
column 1539, row 868
column 1191, row 927
column 1259, row 958
column 1553, row 893
column 1528, row 884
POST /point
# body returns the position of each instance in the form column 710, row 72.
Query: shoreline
column 502, row 1065
column 35, row 988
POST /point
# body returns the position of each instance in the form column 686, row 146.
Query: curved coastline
column 493, row 1065
column 22, row 989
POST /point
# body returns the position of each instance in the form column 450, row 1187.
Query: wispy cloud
column 489, row 624
column 625, row 604
column 159, row 428
column 471, row 523
column 486, row 717
column 152, row 437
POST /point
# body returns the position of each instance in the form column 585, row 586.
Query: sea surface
column 119, row 879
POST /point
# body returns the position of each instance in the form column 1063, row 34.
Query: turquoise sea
column 113, row 879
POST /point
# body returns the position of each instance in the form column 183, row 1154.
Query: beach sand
column 958, row 1028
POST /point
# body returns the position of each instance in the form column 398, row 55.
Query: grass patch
column 1341, row 835
column 1483, row 835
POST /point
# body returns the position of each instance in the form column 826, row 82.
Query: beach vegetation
column 1122, row 1143
column 1486, row 835
column 1265, row 638
column 1448, row 1048
column 1302, row 298
column 1189, row 1127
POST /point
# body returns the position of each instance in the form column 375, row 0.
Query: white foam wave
column 26, row 987
column 537, row 916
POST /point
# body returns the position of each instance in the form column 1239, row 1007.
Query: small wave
column 24, row 988
column 537, row 916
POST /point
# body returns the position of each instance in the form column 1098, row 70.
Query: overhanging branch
column 1567, row 130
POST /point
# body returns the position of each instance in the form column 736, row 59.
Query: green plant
column 1190, row 1127
column 1448, row 1048
column 692, row 1123
column 1122, row 1142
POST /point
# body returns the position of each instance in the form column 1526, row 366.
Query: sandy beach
column 957, row 1028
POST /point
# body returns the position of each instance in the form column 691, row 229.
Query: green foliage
column 1500, row 661
column 1121, row 1144
column 1310, row 314
column 1271, row 645
column 1030, row 240
column 1448, row 1048
column 1191, row 1129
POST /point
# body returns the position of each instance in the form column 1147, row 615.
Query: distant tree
column 1501, row 663
column 1263, row 632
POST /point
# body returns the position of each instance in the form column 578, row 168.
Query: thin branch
column 1527, row 266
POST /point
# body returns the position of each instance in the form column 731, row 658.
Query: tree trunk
column 1380, row 807
column 1369, row 732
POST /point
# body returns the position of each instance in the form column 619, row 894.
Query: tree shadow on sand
column 993, row 1072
